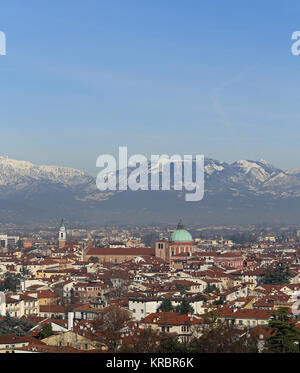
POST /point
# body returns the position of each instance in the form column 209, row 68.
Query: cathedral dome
column 180, row 234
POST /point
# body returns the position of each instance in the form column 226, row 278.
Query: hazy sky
column 161, row 76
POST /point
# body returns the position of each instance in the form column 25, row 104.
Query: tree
column 24, row 271
column 46, row 331
column 201, row 297
column 210, row 289
column 221, row 337
column 94, row 259
column 10, row 282
column 112, row 326
column 152, row 341
column 143, row 341
column 171, row 344
column 242, row 238
column 20, row 327
column 182, row 288
column 285, row 337
column 166, row 305
column 279, row 275
column 184, row 307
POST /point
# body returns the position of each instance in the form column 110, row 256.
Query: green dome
column 180, row 234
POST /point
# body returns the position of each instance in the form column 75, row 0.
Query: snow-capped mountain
column 249, row 191
column 258, row 177
column 19, row 177
column 13, row 171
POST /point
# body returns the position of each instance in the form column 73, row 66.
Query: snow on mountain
column 252, row 174
column 212, row 166
column 248, row 190
column 295, row 171
column 243, row 176
column 15, row 171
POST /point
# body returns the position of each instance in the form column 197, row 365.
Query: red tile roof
column 138, row 251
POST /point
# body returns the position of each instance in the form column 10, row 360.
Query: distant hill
column 239, row 193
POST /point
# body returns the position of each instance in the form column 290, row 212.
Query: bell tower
column 62, row 234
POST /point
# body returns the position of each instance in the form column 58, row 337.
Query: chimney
column 70, row 320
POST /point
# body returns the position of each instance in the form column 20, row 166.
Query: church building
column 180, row 241
column 62, row 235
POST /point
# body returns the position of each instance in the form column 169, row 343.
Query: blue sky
column 81, row 78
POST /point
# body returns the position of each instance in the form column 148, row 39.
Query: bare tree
column 222, row 337
column 111, row 326
column 142, row 341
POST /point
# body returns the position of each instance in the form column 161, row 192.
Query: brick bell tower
column 62, row 234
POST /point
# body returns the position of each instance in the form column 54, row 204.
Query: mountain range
column 239, row 193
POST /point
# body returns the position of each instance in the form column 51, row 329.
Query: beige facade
column 17, row 307
column 72, row 339
column 169, row 251
column 117, row 254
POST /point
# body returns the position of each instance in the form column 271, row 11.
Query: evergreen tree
column 210, row 289
column 279, row 275
column 182, row 288
column 171, row 344
column 285, row 337
column 24, row 271
column 11, row 325
column 46, row 331
column 201, row 297
column 10, row 282
column 166, row 305
column 94, row 259
column 184, row 307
